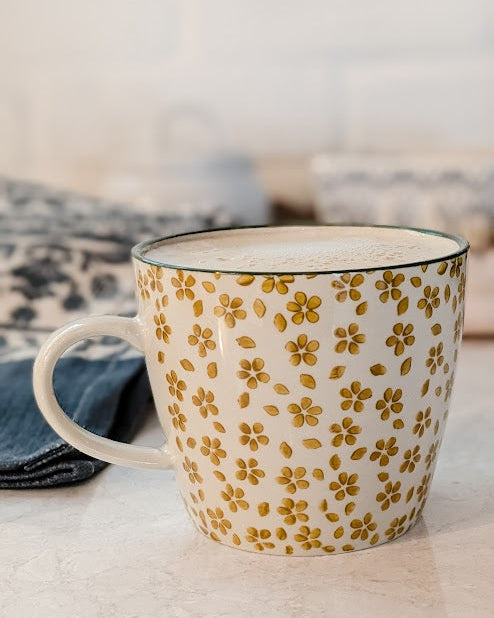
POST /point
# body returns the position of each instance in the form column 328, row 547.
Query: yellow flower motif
column 304, row 413
column 204, row 527
column 390, row 495
column 155, row 274
column 455, row 269
column 423, row 488
column 402, row 337
column 396, row 527
column 179, row 419
column 389, row 286
column 431, row 455
column 345, row 486
column 230, row 310
column 384, row 450
column 430, row 300
column 308, row 538
column 423, row 422
column 192, row 470
column 461, row 288
column 249, row 470
column 447, row 293
column 204, row 401
column 175, row 386
column 163, row 330
column 202, row 339
column 142, row 284
column 234, row 498
column 324, row 507
column 252, row 372
column 211, row 448
column 448, row 388
column 303, row 307
column 347, row 285
column 354, row 397
column 218, row 520
column 302, row 350
column 363, row 528
column 411, row 515
column 293, row 480
column 293, row 511
column 391, row 403
column 350, row 338
column 278, row 281
column 253, row 436
column 410, row 458
column 347, row 432
column 435, row 359
column 457, row 328
column 259, row 538
column 183, row 285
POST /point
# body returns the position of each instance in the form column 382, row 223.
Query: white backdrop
column 88, row 85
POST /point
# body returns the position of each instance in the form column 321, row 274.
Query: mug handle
column 111, row 451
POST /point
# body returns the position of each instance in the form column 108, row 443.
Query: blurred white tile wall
column 88, row 85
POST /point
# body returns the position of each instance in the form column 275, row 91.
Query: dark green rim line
column 139, row 251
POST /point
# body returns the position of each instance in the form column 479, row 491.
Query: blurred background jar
column 189, row 169
column 449, row 192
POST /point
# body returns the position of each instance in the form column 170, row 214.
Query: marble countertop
column 122, row 545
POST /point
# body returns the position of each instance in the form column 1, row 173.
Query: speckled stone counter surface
column 122, row 545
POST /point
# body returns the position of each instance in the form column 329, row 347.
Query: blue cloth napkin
column 64, row 256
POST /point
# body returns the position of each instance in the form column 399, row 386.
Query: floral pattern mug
column 304, row 412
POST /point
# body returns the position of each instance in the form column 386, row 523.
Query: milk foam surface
column 300, row 249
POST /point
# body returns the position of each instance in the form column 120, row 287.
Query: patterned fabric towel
column 64, row 256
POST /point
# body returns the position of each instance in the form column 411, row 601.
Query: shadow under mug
column 303, row 411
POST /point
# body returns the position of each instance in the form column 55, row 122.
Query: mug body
column 305, row 411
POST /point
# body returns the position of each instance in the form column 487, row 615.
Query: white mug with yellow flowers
column 302, row 376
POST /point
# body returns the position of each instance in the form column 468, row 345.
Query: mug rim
column 138, row 251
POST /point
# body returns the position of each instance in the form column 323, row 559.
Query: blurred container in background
column 453, row 193
column 449, row 192
column 189, row 169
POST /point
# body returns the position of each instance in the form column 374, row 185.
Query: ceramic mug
column 304, row 412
